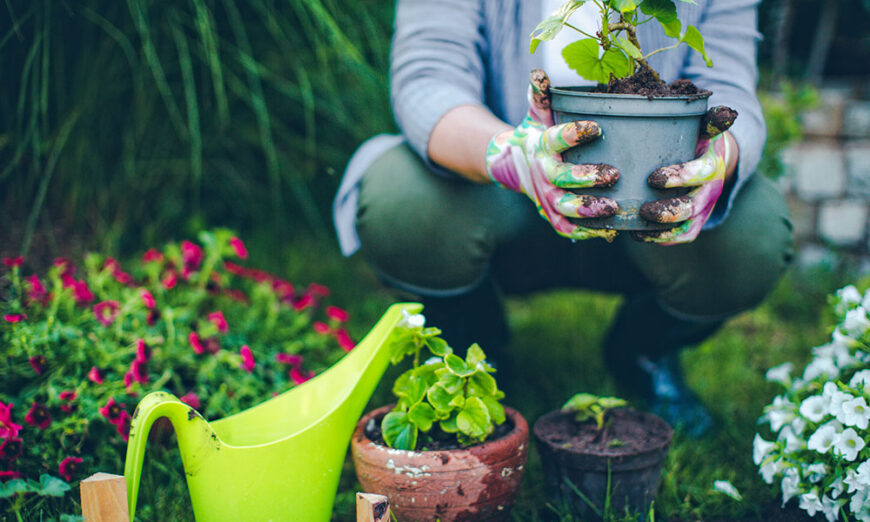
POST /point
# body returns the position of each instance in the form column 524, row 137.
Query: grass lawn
column 556, row 339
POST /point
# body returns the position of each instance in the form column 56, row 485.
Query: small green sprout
column 587, row 406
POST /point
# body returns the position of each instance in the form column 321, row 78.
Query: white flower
column 814, row 408
column 841, row 338
column 769, row 470
column 790, row 481
column 837, row 487
column 798, row 425
column 863, row 473
column 849, row 295
column 811, row 503
column 858, row 504
column 815, row 472
column 780, row 412
column 761, row 449
column 836, row 351
column 821, row 366
column 853, row 480
column 727, row 488
column 865, row 303
column 856, row 413
column 831, row 508
column 780, row 374
column 860, row 379
column 848, row 444
column 823, row 439
column 412, row 321
column 856, row 322
column 836, row 399
column 792, row 441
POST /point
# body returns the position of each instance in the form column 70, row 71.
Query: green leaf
column 398, row 431
column 611, row 402
column 624, row 6
column 553, row 24
column 52, row 486
column 694, row 40
column 457, row 402
column 457, row 366
column 664, row 11
column 15, row 486
column 422, row 415
column 416, row 389
column 426, row 373
column 402, row 384
column 673, row 28
column 474, row 420
column 482, row 384
column 449, row 425
column 583, row 57
column 580, row 402
column 629, row 48
column 475, row 355
column 438, row 346
column 451, row 382
column 495, row 409
column 439, row 397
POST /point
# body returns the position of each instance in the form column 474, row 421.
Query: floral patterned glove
column 706, row 174
column 528, row 159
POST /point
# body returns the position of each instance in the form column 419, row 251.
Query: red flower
column 317, row 289
column 212, row 345
column 81, row 292
column 195, row 343
column 123, row 425
column 289, row 358
column 128, row 380
column 191, row 399
column 283, row 288
column 9, row 475
column 119, row 275
column 37, row 292
column 17, row 261
column 95, row 375
column 107, row 311
column 344, row 340
column 38, row 416
column 217, row 318
column 69, row 467
column 147, row 299
column 11, row 449
column 321, row 327
column 191, row 253
column 152, row 255
column 303, row 302
column 67, row 395
column 153, row 316
column 336, row 313
column 239, row 247
column 8, row 429
column 67, row 267
column 235, row 269
column 143, row 351
column 298, row 377
column 138, row 371
column 247, row 358
column 169, row 280
column 14, row 318
column 112, row 410
column 38, row 362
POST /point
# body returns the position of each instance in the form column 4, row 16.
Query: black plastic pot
column 577, row 475
column 640, row 135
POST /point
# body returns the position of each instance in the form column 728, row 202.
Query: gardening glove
column 706, row 174
column 528, row 159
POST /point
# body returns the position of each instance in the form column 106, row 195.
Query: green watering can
column 281, row 459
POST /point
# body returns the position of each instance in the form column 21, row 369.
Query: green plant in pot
column 601, row 458
column 448, row 448
column 646, row 123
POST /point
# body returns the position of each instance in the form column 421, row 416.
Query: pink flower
column 119, row 275
column 217, row 318
column 37, row 292
column 138, row 371
column 67, row 267
column 191, row 399
column 191, row 254
column 344, row 340
column 14, row 318
column 38, row 416
column 235, row 269
column 152, row 255
column 11, row 449
column 147, row 299
column 237, row 295
column 153, row 316
column 193, row 339
column 247, row 358
column 38, row 363
column 123, row 425
column 81, row 292
column 169, row 280
column 289, row 358
column 212, row 345
column 317, row 289
column 283, row 289
column 298, row 377
column 143, row 351
column 15, row 261
column 112, row 410
column 67, row 395
column 321, row 327
column 69, row 467
column 239, row 247
column 9, row 475
column 95, row 375
column 8, row 429
column 128, row 380
column 303, row 302
column 107, row 311
column 336, row 313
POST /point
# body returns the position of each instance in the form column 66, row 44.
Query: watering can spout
column 196, row 439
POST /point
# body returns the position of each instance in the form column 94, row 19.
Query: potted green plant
column 600, row 456
column 448, row 449
column 630, row 101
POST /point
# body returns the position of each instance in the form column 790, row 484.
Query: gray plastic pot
column 639, row 136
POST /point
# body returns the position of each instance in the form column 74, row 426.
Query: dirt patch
column 645, row 83
column 436, row 439
column 622, row 434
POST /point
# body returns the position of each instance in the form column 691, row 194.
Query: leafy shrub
column 81, row 345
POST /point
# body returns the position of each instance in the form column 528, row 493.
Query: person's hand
column 528, row 159
column 716, row 150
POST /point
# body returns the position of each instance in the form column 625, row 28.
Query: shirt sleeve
column 730, row 35
column 435, row 64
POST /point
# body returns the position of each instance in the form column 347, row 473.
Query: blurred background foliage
column 126, row 122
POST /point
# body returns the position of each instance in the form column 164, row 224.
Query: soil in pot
column 477, row 483
column 579, row 461
column 644, row 83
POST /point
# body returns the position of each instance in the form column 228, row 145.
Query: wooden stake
column 104, row 498
column 372, row 508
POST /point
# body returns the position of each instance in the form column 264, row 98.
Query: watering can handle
column 152, row 407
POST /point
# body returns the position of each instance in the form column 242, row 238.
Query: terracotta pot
column 635, row 469
column 476, row 483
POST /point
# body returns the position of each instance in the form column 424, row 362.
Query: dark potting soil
column 436, row 440
column 622, row 433
column 644, row 83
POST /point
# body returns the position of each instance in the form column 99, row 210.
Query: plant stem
column 662, row 49
column 581, row 31
column 622, row 25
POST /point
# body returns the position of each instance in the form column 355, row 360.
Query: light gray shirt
column 448, row 53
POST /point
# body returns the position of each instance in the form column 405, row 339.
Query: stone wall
column 828, row 179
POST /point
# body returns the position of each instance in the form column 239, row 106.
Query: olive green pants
column 435, row 236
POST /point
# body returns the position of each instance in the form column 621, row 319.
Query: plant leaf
column 439, row 397
column 694, row 40
column 457, row 366
column 449, row 425
column 416, row 389
column 611, row 402
column 583, row 57
column 664, row 11
column 474, row 420
column 398, row 431
column 401, row 384
column 550, row 26
column 52, row 486
column 482, row 384
column 629, row 48
column 495, row 409
column 624, row 6
column 15, row 486
column 438, row 346
column 580, row 402
column 451, row 382
column 475, row 355
column 457, row 402
column 422, row 415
